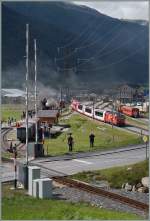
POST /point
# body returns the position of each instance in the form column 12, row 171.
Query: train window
column 100, row 114
column 80, row 107
column 88, row 110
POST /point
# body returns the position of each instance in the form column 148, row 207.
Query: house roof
column 47, row 113
column 12, row 92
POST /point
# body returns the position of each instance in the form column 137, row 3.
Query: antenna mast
column 35, row 69
column 27, row 93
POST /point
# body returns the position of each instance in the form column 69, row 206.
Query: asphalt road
column 7, row 172
column 72, row 166
column 74, row 163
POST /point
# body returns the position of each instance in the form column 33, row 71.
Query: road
column 105, row 160
column 74, row 163
column 7, row 172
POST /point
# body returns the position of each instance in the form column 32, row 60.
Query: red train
column 130, row 111
column 110, row 117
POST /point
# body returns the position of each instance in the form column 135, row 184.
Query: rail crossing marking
column 82, row 161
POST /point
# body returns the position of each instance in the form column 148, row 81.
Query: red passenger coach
column 130, row 111
column 110, row 117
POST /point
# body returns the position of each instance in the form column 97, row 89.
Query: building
column 49, row 117
column 126, row 93
column 12, row 95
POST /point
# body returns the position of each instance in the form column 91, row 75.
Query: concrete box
column 33, row 173
column 45, row 188
column 36, row 188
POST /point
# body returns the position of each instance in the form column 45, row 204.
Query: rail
column 98, row 191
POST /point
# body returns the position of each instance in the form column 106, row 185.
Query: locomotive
column 129, row 111
column 111, row 117
column 52, row 104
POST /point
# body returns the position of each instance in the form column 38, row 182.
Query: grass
column 7, row 155
column 118, row 175
column 146, row 115
column 81, row 127
column 16, row 205
column 11, row 110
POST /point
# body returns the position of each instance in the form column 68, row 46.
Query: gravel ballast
column 75, row 195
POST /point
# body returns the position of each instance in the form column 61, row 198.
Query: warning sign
column 145, row 139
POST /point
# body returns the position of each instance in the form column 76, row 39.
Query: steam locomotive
column 111, row 117
column 52, row 104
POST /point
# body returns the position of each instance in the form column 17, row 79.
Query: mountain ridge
column 53, row 31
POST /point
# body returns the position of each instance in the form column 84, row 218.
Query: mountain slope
column 118, row 50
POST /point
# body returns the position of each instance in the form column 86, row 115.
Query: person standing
column 70, row 142
column 15, row 148
column 91, row 137
column 11, row 147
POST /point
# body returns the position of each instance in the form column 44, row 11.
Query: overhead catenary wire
column 88, row 45
column 109, row 52
column 96, row 29
column 97, row 40
column 124, row 43
column 113, row 63
column 105, row 46
column 86, row 60
column 78, row 37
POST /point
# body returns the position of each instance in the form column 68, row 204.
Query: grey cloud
column 120, row 9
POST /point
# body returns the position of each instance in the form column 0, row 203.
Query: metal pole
column 146, row 151
column 35, row 69
column 93, row 108
column 27, row 74
column 112, row 117
column 61, row 100
column 15, row 181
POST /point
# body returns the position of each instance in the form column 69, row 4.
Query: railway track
column 5, row 143
column 142, row 127
column 137, row 130
column 133, row 129
column 98, row 191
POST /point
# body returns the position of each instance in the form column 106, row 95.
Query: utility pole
column 35, row 70
column 61, row 100
column 66, row 72
column 113, row 117
column 27, row 87
column 93, row 107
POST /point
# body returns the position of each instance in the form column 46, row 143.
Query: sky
column 120, row 9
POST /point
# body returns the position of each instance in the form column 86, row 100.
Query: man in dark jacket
column 91, row 137
column 70, row 142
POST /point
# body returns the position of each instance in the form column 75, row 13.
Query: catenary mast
column 35, row 70
column 27, row 88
